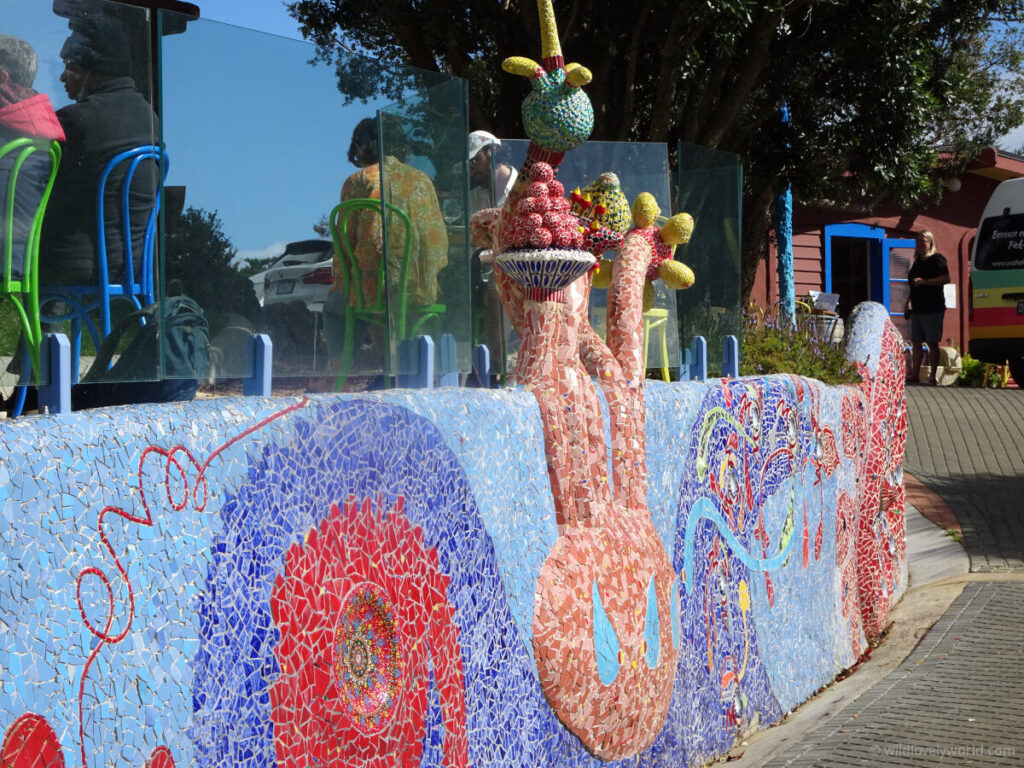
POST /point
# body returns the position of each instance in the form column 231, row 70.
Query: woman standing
column 926, row 304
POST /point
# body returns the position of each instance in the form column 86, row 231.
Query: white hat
column 480, row 139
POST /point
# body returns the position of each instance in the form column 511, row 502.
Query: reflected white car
column 303, row 273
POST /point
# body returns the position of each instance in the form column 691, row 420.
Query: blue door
column 857, row 265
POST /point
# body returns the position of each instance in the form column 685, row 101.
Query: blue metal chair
column 139, row 289
column 20, row 279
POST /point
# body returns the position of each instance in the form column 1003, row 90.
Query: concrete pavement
column 943, row 689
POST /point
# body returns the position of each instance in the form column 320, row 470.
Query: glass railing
column 640, row 167
column 710, row 186
column 93, row 61
column 257, row 138
column 424, row 174
column 265, row 144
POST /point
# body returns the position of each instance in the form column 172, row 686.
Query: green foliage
column 873, row 86
column 10, row 328
column 250, row 267
column 199, row 262
column 773, row 346
column 975, row 373
column 972, row 372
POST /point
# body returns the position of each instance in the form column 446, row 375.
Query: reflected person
column 489, row 185
column 489, row 182
column 109, row 116
column 410, row 190
column 24, row 113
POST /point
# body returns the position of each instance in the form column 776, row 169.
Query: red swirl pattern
column 30, row 735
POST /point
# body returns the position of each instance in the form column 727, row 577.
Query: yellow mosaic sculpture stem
column 550, row 46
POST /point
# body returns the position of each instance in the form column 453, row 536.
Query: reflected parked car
column 303, row 273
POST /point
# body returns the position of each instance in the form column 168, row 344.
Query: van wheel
column 1017, row 371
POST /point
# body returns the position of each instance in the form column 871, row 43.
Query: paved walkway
column 955, row 700
column 967, row 445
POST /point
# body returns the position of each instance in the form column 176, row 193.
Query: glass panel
column 710, row 188
column 259, row 136
column 424, row 174
column 641, row 167
column 94, row 64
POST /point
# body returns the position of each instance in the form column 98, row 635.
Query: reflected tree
column 199, row 262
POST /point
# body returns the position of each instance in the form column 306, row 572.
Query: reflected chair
column 136, row 285
column 387, row 311
column 656, row 320
column 21, row 270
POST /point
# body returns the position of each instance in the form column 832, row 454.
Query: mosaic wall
column 352, row 580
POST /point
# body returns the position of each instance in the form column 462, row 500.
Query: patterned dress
column 411, row 190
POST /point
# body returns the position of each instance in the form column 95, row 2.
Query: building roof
column 997, row 164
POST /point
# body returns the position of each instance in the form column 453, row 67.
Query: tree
column 874, row 87
column 199, row 262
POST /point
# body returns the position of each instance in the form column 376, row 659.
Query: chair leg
column 665, row 376
column 76, row 347
column 347, row 353
column 21, row 390
column 19, row 401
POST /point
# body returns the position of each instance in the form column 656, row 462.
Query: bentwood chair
column 135, row 284
column 387, row 311
column 19, row 238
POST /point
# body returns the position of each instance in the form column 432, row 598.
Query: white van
column 996, row 312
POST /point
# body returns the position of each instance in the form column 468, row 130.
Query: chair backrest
column 339, row 220
column 20, row 270
column 131, row 159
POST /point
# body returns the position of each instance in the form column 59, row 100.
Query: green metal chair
column 21, row 286
column 390, row 312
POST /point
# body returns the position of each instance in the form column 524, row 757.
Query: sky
column 263, row 15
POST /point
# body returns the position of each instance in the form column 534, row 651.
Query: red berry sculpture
column 542, row 218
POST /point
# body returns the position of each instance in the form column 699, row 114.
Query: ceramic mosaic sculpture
column 662, row 242
column 603, row 202
column 606, row 610
column 557, row 115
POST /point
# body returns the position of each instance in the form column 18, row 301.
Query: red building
column 864, row 257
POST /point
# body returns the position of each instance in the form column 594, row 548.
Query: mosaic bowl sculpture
column 545, row 269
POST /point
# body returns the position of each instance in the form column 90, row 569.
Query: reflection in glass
column 427, row 130
column 94, row 65
column 260, row 156
column 489, row 184
column 416, row 248
column 710, row 188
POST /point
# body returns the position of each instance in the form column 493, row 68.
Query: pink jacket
column 33, row 117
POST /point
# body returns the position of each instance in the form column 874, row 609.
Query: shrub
column 773, row 346
column 975, row 373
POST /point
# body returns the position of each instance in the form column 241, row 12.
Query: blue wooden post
column 261, row 363
column 448, row 364
column 698, row 370
column 55, row 396
column 417, row 357
column 784, row 242
column 482, row 365
column 731, row 357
